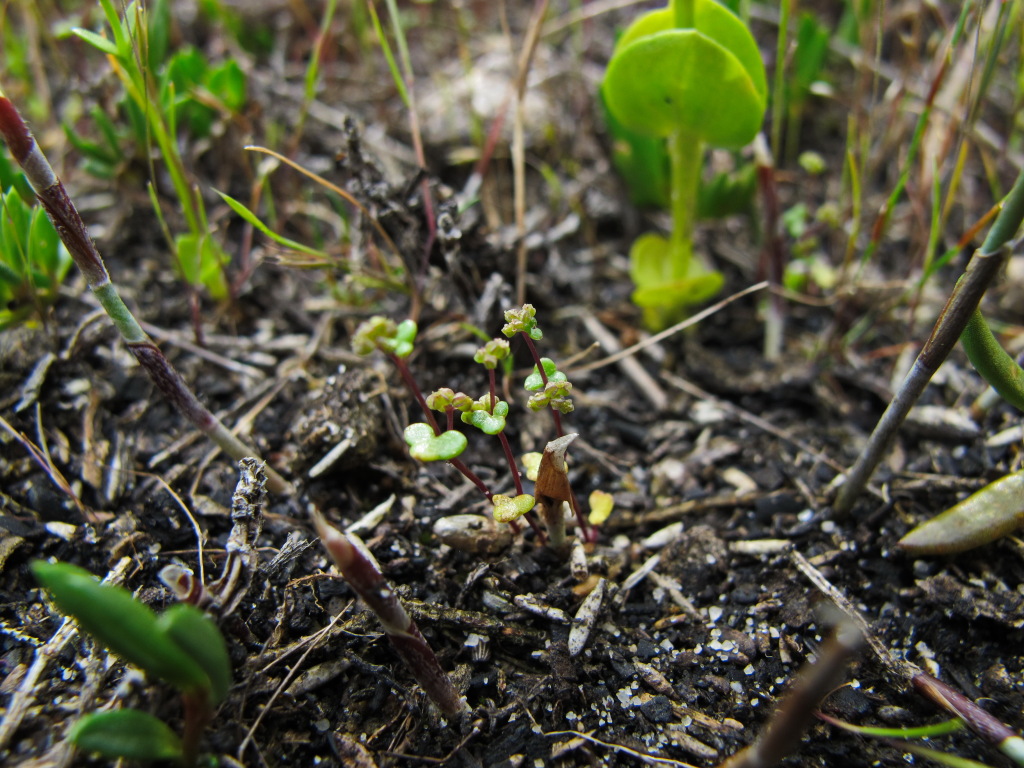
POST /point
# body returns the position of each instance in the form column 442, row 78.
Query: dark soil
column 718, row 494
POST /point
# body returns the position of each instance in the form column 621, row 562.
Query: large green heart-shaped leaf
column 681, row 81
column 509, row 508
column 715, row 21
column 707, row 81
column 488, row 423
column 426, row 446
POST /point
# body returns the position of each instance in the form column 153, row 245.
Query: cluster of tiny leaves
column 492, row 353
column 522, row 320
column 381, row 333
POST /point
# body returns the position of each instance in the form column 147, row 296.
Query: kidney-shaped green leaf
column 126, row 733
column 426, row 446
column 713, row 20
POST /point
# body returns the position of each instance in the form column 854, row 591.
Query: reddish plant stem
column 361, row 573
column 513, row 467
column 559, row 432
column 492, row 380
column 471, row 476
column 414, row 389
column 196, row 708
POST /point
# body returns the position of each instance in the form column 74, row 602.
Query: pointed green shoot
column 121, row 624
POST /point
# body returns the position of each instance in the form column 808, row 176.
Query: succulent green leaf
column 652, row 266
column 488, row 423
column 405, row 337
column 127, row 734
column 715, row 21
column 660, row 85
column 120, row 623
column 534, row 381
column 426, row 446
column 993, row 512
column 197, row 634
column 509, row 508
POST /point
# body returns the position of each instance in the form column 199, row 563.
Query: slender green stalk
column 962, row 303
column 685, row 155
column 51, row 193
column 683, row 10
column 779, row 80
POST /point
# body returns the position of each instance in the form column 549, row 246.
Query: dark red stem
column 559, row 432
column 414, row 388
column 471, row 476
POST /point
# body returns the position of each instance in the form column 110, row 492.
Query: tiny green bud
column 812, row 162
column 405, row 337
column 370, row 333
column 563, row 405
column 522, row 321
column 462, row 402
column 441, row 399
column 492, row 353
column 381, row 333
column 537, row 402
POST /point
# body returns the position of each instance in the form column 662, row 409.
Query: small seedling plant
column 182, row 647
column 430, row 440
column 691, row 75
column 139, row 47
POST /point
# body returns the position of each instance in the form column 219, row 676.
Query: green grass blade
column 251, row 218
